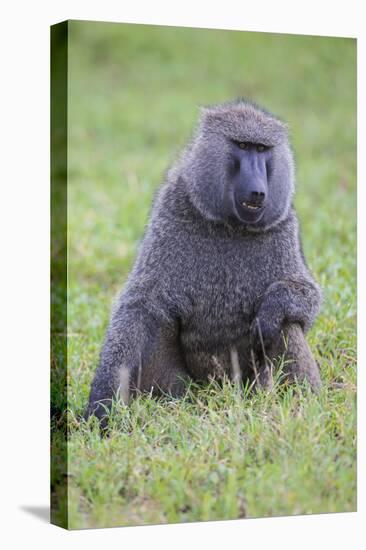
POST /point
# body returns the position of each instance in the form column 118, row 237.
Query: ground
column 219, row 453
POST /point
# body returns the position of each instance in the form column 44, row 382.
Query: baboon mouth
column 251, row 206
column 248, row 212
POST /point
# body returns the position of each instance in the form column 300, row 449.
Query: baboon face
column 248, row 168
column 241, row 168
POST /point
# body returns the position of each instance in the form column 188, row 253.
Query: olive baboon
column 220, row 281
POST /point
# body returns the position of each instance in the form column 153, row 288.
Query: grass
column 218, row 453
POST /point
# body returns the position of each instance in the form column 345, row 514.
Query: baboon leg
column 259, row 373
column 265, row 377
column 255, row 369
column 299, row 363
column 165, row 373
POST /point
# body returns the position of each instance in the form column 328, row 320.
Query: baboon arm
column 292, row 300
column 128, row 344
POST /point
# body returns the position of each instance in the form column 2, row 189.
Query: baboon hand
column 265, row 332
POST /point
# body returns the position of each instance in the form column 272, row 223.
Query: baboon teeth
column 251, row 206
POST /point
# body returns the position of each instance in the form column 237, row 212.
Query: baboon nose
column 257, row 197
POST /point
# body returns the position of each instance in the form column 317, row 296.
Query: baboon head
column 239, row 167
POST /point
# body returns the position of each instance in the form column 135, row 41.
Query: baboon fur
column 211, row 293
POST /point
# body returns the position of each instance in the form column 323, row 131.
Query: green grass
column 218, row 453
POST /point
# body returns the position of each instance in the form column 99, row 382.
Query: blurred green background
column 134, row 92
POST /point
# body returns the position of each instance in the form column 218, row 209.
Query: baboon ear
column 209, row 115
column 203, row 112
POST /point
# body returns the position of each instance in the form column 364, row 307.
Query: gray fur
column 205, row 283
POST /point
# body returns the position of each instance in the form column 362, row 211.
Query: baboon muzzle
column 253, row 183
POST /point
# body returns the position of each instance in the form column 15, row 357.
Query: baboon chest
column 224, row 290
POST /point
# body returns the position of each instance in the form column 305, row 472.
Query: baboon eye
column 261, row 148
column 242, row 145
